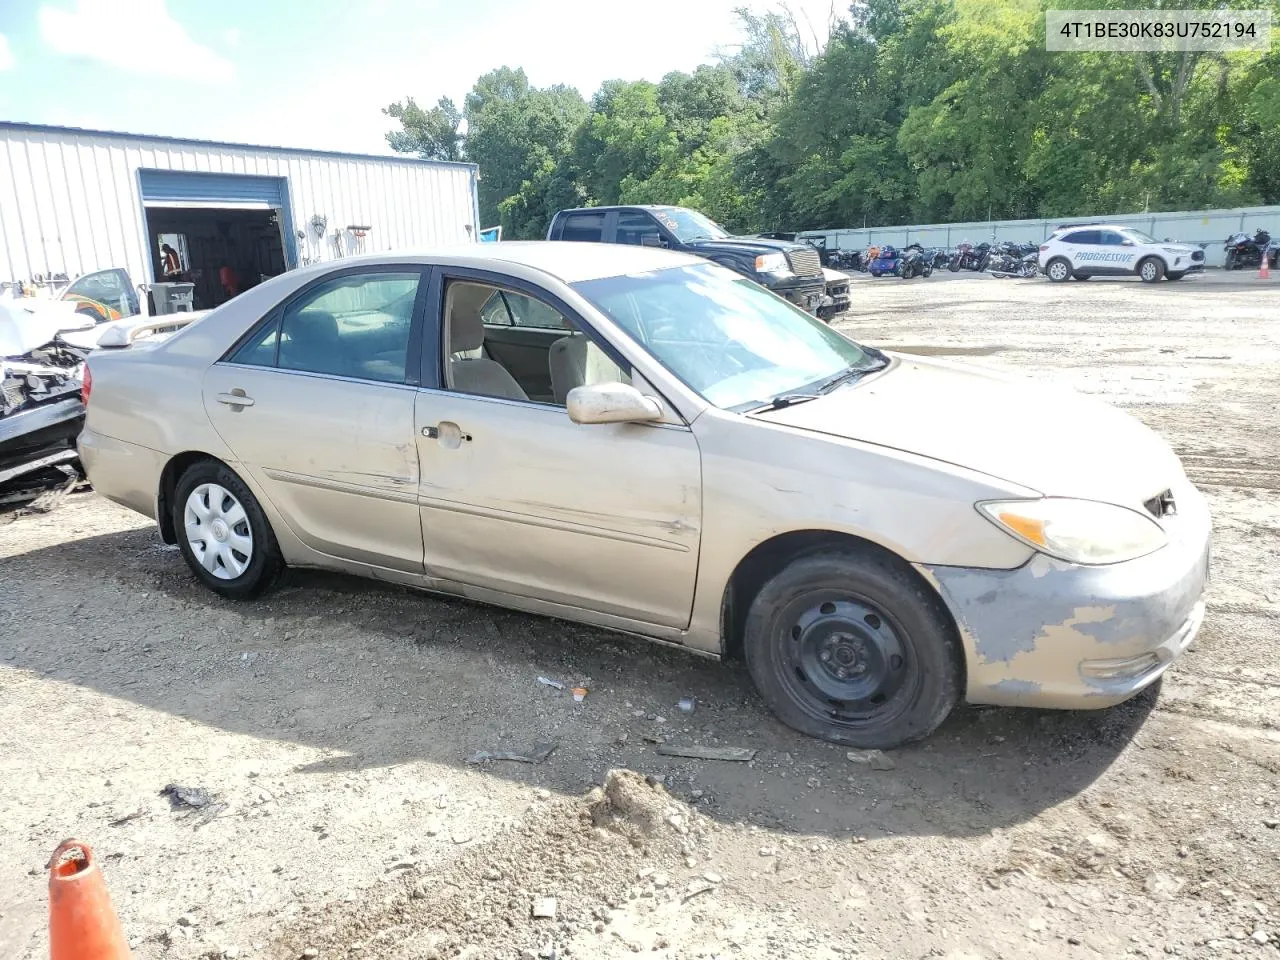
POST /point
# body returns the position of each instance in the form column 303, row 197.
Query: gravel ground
column 331, row 723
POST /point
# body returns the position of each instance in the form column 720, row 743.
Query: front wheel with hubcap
column 222, row 532
column 1151, row 269
column 1058, row 270
column 850, row 646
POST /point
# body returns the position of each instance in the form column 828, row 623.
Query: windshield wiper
column 853, row 373
column 783, row 400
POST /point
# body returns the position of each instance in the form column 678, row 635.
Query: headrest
column 466, row 328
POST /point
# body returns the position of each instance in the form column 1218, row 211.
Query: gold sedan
column 647, row 442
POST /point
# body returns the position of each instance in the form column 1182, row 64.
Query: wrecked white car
column 40, row 408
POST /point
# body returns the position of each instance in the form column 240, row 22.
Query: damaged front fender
column 1061, row 635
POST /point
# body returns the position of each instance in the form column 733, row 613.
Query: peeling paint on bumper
column 1059, row 635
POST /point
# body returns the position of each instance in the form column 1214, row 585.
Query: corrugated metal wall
column 1210, row 227
column 70, row 199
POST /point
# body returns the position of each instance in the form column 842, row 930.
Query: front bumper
column 807, row 293
column 1058, row 635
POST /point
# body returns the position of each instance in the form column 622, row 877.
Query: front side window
column 1112, row 239
column 638, row 229
column 108, row 287
column 735, row 343
column 355, row 326
column 541, row 365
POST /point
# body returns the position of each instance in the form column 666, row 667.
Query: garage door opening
column 222, row 251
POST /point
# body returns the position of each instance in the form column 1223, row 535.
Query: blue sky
column 317, row 73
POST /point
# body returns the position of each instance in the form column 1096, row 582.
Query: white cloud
column 232, row 36
column 6, row 55
column 139, row 36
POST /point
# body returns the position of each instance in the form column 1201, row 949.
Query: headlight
column 1079, row 531
column 772, row 263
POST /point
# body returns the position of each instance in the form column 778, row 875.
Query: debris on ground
column 538, row 754
column 687, row 705
column 194, row 798
column 875, row 759
column 696, row 752
column 580, row 694
column 629, row 802
column 544, row 908
column 548, row 682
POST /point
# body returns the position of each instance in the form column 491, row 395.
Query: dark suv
column 792, row 270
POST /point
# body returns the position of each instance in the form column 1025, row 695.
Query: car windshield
column 689, row 225
column 735, row 343
column 1138, row 235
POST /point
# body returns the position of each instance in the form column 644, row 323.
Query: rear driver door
column 317, row 404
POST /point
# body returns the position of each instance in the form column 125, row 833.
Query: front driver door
column 517, row 497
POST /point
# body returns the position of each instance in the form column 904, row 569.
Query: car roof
column 1096, row 223
column 568, row 261
column 625, row 206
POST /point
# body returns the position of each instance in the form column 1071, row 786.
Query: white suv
column 1110, row 250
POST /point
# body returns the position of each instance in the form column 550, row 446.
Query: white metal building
column 74, row 201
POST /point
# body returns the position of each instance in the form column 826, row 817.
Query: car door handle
column 234, row 399
column 447, row 432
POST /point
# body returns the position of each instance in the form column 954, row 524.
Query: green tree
column 431, row 134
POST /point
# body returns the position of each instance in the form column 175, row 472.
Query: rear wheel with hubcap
column 222, row 532
column 850, row 646
column 1058, row 270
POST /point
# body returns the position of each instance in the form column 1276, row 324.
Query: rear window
column 587, row 227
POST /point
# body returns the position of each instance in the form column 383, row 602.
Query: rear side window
column 356, row 325
column 588, row 227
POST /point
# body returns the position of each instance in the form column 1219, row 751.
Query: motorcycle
column 886, row 260
column 1011, row 264
column 1245, row 251
column 969, row 257
column 915, row 261
column 845, row 259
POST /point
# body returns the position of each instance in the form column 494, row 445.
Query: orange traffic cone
column 1264, row 269
column 82, row 924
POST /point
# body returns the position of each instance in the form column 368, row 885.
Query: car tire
column 869, row 617
column 1058, row 270
column 1151, row 270
column 874, row 273
column 1176, row 275
column 222, row 532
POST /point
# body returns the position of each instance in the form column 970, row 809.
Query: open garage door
column 223, row 233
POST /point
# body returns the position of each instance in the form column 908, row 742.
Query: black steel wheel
column 853, row 647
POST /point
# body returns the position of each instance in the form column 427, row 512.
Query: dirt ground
column 332, row 722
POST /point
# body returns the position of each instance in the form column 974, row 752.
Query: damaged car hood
column 28, row 324
column 1049, row 439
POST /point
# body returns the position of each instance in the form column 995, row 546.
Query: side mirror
column 1127, row 243
column 611, row 403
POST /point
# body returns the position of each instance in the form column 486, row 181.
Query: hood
column 28, row 324
column 752, row 246
column 1049, row 439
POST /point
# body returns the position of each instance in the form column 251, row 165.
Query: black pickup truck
column 792, row 270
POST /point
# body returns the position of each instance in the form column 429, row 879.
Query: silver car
column 648, row 442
